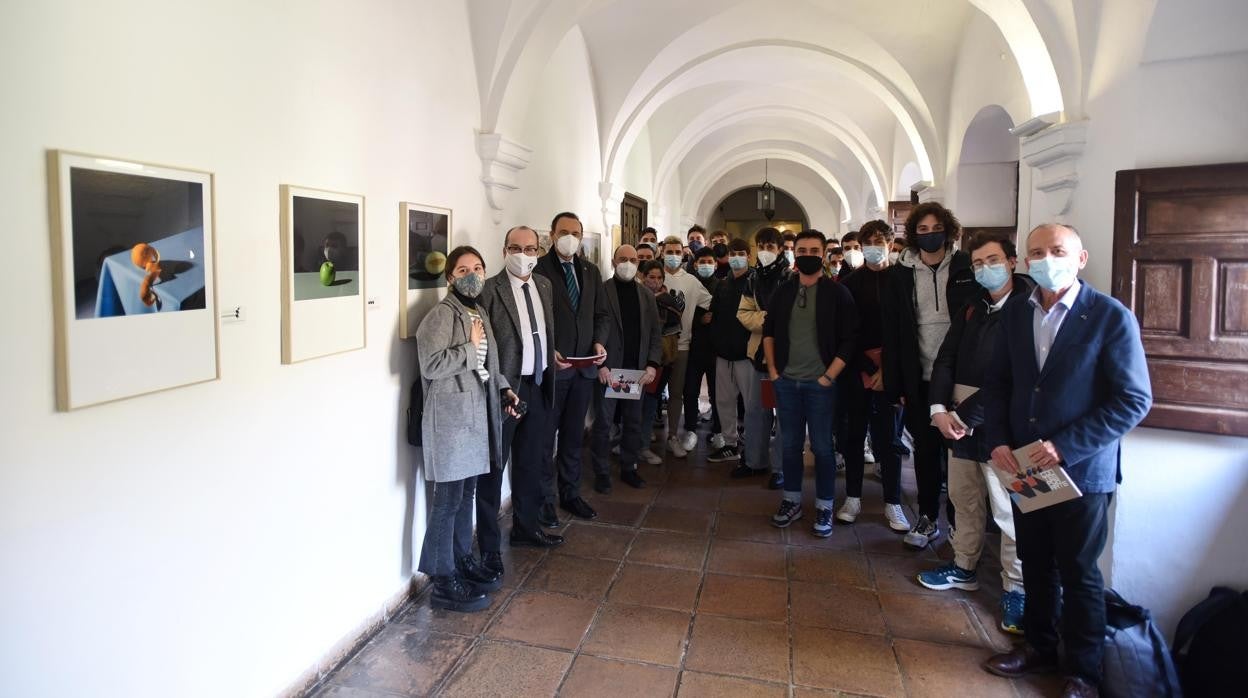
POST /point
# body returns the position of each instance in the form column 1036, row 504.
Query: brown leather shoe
column 1078, row 688
column 1020, row 661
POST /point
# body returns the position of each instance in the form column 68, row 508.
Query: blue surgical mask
column 788, row 254
column 993, row 277
column 875, row 254
column 738, row 263
column 1054, row 273
column 705, row 270
column 672, row 261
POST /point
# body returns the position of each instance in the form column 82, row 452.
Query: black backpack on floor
column 1211, row 645
column 1137, row 662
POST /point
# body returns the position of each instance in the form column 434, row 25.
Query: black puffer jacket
column 964, row 358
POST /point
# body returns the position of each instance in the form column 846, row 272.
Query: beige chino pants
column 970, row 483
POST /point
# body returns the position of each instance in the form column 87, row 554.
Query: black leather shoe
column 538, row 539
column 1020, row 661
column 776, row 481
column 453, row 594
column 478, row 575
column 547, row 516
column 579, row 508
column 602, row 484
column 632, row 478
column 1078, row 688
column 494, row 563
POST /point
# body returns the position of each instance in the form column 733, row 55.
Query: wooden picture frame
column 424, row 241
column 134, row 277
column 322, row 306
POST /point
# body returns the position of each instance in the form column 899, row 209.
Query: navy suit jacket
column 1094, row 387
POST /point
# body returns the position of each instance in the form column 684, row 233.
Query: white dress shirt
column 1045, row 325
column 526, row 332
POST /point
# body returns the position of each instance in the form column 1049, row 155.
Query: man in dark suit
column 1068, row 374
column 581, row 328
column 518, row 304
column 634, row 343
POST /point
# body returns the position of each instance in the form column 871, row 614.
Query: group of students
column 801, row 340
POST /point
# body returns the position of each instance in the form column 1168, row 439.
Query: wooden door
column 1181, row 265
column 633, row 214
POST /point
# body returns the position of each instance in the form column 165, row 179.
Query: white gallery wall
column 219, row 539
column 1167, row 93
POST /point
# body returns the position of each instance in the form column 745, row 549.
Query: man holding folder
column 1068, row 380
column 957, row 411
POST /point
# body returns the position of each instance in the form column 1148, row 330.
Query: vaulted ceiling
column 849, row 91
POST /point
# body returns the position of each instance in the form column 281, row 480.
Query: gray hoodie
column 930, row 306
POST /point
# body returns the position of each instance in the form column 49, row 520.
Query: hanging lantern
column 767, row 196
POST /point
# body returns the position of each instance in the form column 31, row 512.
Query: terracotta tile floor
column 684, row 588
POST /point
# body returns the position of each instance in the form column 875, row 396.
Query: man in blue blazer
column 1068, row 371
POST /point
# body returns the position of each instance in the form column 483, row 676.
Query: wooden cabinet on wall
column 1181, row 265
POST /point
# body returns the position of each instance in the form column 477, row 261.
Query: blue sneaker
column 949, row 577
column 1012, row 612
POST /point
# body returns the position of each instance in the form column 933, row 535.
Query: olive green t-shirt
column 804, row 362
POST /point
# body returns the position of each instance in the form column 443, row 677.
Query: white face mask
column 625, row 271
column 766, row 258
column 567, row 245
column 520, row 264
column 788, row 254
column 854, row 258
column 893, row 257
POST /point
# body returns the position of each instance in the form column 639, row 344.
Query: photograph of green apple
column 326, row 254
column 427, row 240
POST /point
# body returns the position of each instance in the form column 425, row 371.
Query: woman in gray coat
column 462, row 430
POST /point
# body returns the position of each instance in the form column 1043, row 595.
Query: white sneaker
column 896, row 518
column 674, row 447
column 718, row 441
column 850, row 510
column 868, row 456
column 650, row 457
column 690, row 441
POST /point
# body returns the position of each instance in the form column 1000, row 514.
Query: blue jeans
column 806, row 406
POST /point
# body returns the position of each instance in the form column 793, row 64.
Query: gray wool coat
column 462, row 416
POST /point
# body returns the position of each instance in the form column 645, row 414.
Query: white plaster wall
column 561, row 128
column 218, row 539
column 1183, row 505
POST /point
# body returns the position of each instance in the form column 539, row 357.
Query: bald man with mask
column 1068, row 375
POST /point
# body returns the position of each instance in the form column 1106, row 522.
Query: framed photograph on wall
column 424, row 241
column 133, row 278
column 591, row 248
column 322, row 273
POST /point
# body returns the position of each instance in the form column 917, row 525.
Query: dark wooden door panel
column 1181, row 265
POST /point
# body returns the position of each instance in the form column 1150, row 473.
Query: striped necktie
column 574, row 291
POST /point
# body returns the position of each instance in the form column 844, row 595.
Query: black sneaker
column 602, row 484
column 632, row 478
column 723, row 454
column 742, row 470
column 493, row 562
column 776, row 481
column 788, row 513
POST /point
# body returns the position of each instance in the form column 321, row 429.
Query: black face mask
column 720, row 250
column 931, row 242
column 809, row 264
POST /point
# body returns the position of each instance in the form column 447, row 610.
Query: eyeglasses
column 531, row 250
column 801, row 296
